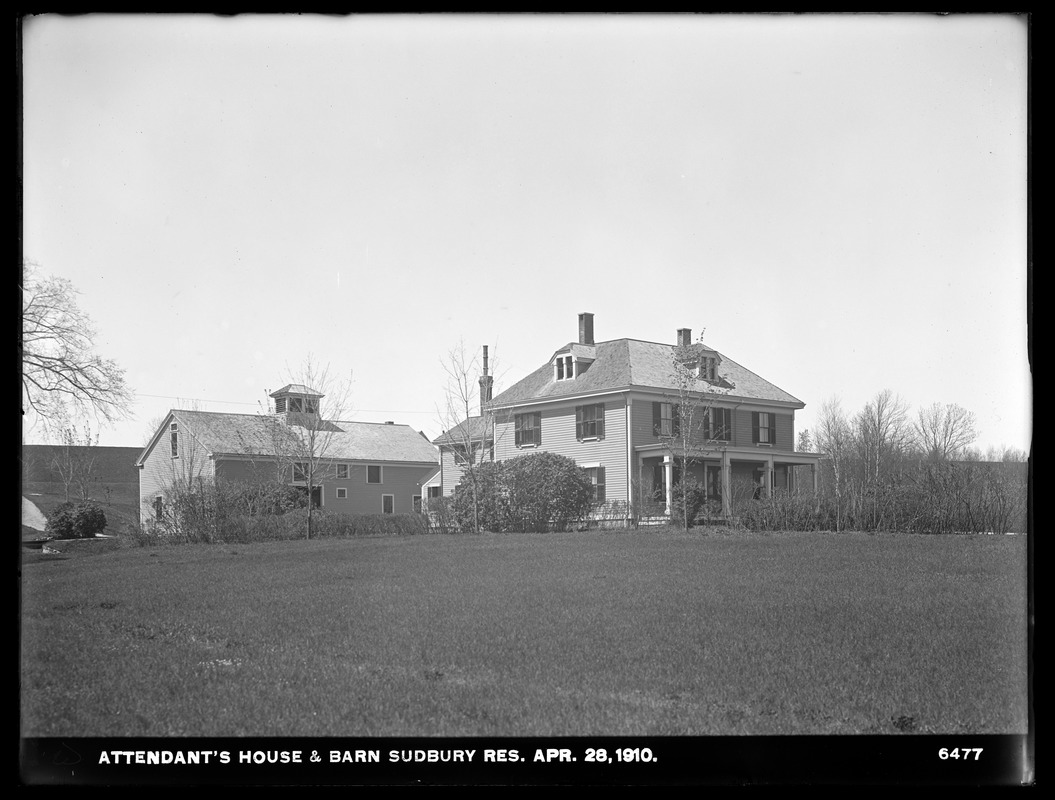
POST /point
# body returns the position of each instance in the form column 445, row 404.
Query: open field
column 119, row 501
column 628, row 633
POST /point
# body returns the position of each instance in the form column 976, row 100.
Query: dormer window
column 565, row 368
column 708, row 368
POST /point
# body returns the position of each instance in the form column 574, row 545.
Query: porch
column 726, row 474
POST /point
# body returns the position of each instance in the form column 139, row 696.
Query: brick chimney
column 585, row 328
column 684, row 337
column 486, row 384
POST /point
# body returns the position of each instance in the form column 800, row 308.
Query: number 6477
column 960, row 752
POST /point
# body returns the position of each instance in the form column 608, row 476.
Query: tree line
column 887, row 469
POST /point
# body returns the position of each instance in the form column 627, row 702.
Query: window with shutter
column 529, row 429
column 719, row 424
column 665, row 419
column 589, row 422
column 763, row 427
column 596, row 475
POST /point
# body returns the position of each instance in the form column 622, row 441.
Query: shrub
column 688, row 498
column 536, row 492
column 81, row 520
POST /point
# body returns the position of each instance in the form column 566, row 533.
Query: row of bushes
column 244, row 529
column 237, row 512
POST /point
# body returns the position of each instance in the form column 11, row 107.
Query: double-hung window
column 589, row 422
column 719, row 424
column 374, row 474
column 565, row 368
column 708, row 368
column 174, row 440
column 529, row 429
column 665, row 419
column 596, row 475
column 342, row 472
column 764, row 427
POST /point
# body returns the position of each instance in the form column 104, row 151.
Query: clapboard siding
column 452, row 473
column 558, row 436
column 644, row 433
column 160, row 471
column 400, row 480
column 743, row 431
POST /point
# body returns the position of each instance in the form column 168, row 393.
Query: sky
column 837, row 202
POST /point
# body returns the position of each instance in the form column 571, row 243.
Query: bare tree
column 944, row 432
column 307, row 441
column 74, row 460
column 694, row 429
column 470, row 436
column 835, row 439
column 804, row 443
column 883, row 434
column 60, row 369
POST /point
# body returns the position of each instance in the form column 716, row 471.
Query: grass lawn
column 640, row 633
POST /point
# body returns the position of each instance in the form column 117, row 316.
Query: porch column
column 816, row 492
column 790, row 472
column 668, row 480
column 769, row 476
column 727, row 491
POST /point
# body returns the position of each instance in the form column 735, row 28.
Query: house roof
column 475, row 427
column 632, row 363
column 253, row 434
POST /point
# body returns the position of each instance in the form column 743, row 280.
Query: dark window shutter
column 578, row 422
column 600, row 423
column 519, row 430
column 754, row 427
column 657, row 418
column 675, row 420
column 772, row 428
